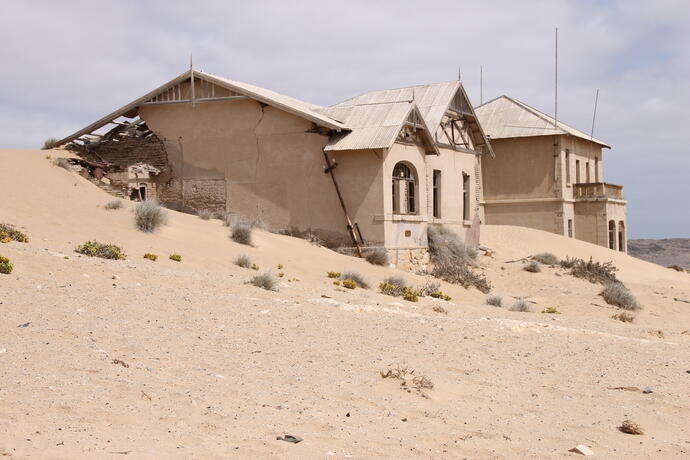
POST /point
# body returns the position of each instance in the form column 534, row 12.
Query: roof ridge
column 392, row 89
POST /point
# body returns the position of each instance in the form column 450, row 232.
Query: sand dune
column 141, row 359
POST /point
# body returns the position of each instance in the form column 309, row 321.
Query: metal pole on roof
column 555, row 102
column 594, row 116
column 191, row 74
column 481, row 85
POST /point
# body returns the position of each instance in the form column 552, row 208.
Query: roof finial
column 459, row 74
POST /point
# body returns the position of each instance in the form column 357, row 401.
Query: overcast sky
column 67, row 63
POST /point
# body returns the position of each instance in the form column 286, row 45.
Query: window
column 587, row 172
column 570, row 228
column 404, row 189
column 621, row 236
column 465, row 196
column 436, row 181
column 612, row 234
column 577, row 171
column 567, row 166
column 596, row 169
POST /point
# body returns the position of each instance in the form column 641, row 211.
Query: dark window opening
column 404, row 189
column 436, row 181
column 570, row 228
column 621, row 236
column 465, row 196
column 612, row 234
column 577, row 171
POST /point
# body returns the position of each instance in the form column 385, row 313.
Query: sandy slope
column 218, row 368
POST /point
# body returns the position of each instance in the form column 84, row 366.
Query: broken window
column 437, row 192
column 465, row 196
column 404, row 189
column 612, row 234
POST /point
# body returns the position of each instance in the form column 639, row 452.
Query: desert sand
column 141, row 359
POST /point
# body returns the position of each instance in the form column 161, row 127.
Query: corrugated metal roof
column 373, row 126
column 432, row 99
column 505, row 117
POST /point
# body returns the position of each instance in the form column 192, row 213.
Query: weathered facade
column 376, row 169
column 549, row 176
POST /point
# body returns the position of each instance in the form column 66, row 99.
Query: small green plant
column 242, row 233
column 393, row 286
column 5, row 265
column 532, row 267
column 494, row 300
column 255, row 267
column 620, row 296
column 349, row 284
column 377, row 256
column 102, row 250
column 265, row 281
column 280, row 266
column 9, row 233
column 281, row 274
column 205, row 214
column 149, row 215
column 410, row 294
column 244, row 261
column 551, row 310
column 152, row 257
column 50, row 143
column 440, row 295
column 175, row 257
column 336, row 282
column 521, row 304
column 356, row 277
column 333, row 274
column 546, row 258
column 114, row 204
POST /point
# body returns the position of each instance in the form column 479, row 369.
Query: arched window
column 404, row 189
column 612, row 234
column 621, row 236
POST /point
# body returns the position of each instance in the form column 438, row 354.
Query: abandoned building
column 549, row 176
column 371, row 171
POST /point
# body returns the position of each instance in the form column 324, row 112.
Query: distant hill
column 663, row 252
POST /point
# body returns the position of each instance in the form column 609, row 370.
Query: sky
column 68, row 63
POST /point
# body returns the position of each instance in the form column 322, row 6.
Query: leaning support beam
column 350, row 227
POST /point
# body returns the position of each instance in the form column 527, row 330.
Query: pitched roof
column 287, row 103
column 372, row 126
column 505, row 117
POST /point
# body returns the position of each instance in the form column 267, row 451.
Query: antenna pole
column 481, row 85
column 459, row 74
column 555, row 101
column 191, row 74
column 594, row 116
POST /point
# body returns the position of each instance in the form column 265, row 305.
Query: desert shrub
column 440, row 295
column 624, row 316
column 594, row 272
column 149, row 215
column 336, row 283
column 521, row 304
column 377, row 256
column 429, row 288
column 265, row 281
column 615, row 293
column 407, row 378
column 393, row 285
column 50, row 143
column 410, row 294
column 356, row 277
column 348, row 283
column 551, row 311
column 255, row 267
column 63, row 163
column 439, row 309
column 242, row 233
column 281, row 274
column 494, row 300
column 205, row 214
column 104, row 251
column 333, row 274
column 152, row 257
column 280, row 266
column 6, row 265
column 532, row 267
column 243, row 261
column 546, row 258
column 453, row 260
column 677, row 268
column 113, row 204
column 9, row 233
column 175, row 257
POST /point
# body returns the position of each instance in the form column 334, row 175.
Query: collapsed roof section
column 505, row 117
column 445, row 109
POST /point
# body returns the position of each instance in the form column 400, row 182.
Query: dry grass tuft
column 244, row 261
column 205, row 214
column 149, row 215
column 50, row 143
column 594, row 272
column 494, row 300
column 377, row 256
column 440, row 309
column 617, row 294
column 113, row 204
column 453, row 260
column 265, row 281
column 356, row 277
column 242, row 233
column 521, row 304
column 532, row 267
column 624, row 316
column 546, row 258
column 630, row 427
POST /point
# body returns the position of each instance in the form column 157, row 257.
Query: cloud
column 70, row 62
